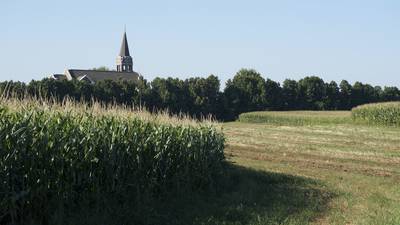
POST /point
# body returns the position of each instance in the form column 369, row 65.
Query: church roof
column 124, row 47
column 58, row 76
column 96, row 75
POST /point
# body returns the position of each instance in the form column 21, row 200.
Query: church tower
column 124, row 60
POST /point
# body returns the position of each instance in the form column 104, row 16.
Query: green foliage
column 205, row 95
column 290, row 94
column 57, row 158
column 332, row 98
column 201, row 97
column 378, row 113
column 345, row 94
column 391, row 94
column 245, row 92
column 171, row 94
column 297, row 118
column 312, row 91
column 273, row 94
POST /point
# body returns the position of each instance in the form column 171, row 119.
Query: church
column 124, row 69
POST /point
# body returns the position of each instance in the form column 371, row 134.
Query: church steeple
column 124, row 60
column 124, row 47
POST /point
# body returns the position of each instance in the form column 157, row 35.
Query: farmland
column 61, row 162
column 297, row 118
column 294, row 167
column 342, row 173
column 387, row 113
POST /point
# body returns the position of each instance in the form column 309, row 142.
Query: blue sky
column 353, row 40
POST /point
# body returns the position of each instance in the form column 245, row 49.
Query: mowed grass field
column 306, row 172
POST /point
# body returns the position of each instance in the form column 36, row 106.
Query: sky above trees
column 335, row 40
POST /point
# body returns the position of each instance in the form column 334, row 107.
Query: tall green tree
column 345, row 94
column 205, row 94
column 363, row 93
column 332, row 98
column 391, row 94
column 273, row 95
column 245, row 92
column 172, row 94
column 312, row 91
column 290, row 94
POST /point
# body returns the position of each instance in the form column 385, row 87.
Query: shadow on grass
column 244, row 196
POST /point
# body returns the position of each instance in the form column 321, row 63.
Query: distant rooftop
column 96, row 75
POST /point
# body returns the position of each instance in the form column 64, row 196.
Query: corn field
column 57, row 155
column 378, row 113
column 296, row 118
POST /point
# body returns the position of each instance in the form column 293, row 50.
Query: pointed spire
column 124, row 46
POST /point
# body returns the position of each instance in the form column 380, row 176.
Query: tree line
column 246, row 91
